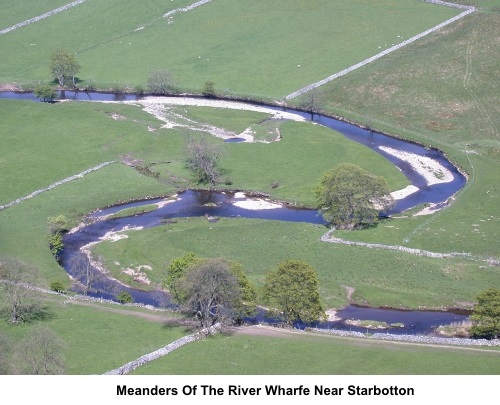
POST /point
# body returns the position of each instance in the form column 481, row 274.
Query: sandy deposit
column 257, row 204
column 168, row 200
column 404, row 192
column 235, row 105
column 430, row 169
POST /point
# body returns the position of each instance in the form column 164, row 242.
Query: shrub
column 124, row 297
column 45, row 93
column 57, row 286
column 209, row 89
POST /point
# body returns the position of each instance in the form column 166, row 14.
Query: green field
column 15, row 12
column 100, row 338
column 319, row 355
column 379, row 277
column 441, row 91
column 249, row 48
column 451, row 103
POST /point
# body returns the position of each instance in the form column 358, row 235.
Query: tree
column 160, row 82
column 40, row 353
column 175, row 271
column 209, row 89
column 486, row 315
column 57, row 225
column 63, row 64
column 212, row 292
column 124, row 297
column 246, row 306
column 350, row 197
column 45, row 92
column 202, row 157
column 20, row 301
column 91, row 280
column 292, row 289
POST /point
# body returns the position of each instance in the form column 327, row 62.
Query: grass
column 128, row 212
column 99, row 338
column 450, row 102
column 441, row 91
column 14, row 12
column 379, row 277
column 308, row 354
column 251, row 48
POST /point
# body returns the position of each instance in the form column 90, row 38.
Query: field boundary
column 56, row 184
column 327, row 237
column 468, row 10
column 41, row 16
column 127, row 368
column 184, row 9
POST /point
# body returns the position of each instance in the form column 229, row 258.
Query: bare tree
column 210, row 292
column 202, row 158
column 160, row 82
column 40, row 353
column 19, row 299
column 91, row 279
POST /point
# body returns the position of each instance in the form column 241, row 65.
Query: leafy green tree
column 57, row 286
column 175, row 271
column 486, row 315
column 63, row 65
column 124, row 297
column 58, row 224
column 292, row 289
column 349, row 197
column 45, row 92
column 247, row 304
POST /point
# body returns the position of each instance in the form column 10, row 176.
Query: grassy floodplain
column 38, row 136
column 251, row 48
column 417, row 282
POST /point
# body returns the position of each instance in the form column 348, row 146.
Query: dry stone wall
column 41, row 17
column 468, row 10
column 35, row 193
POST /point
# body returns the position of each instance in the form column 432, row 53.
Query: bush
column 160, row 82
column 124, row 297
column 58, row 224
column 209, row 89
column 57, row 286
column 45, row 93
column 56, row 243
column 139, row 90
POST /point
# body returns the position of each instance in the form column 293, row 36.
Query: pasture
column 247, row 353
column 440, row 91
column 246, row 48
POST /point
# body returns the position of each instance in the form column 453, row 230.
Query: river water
column 202, row 203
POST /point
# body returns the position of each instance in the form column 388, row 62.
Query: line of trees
column 218, row 291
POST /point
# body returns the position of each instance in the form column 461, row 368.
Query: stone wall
column 42, row 16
